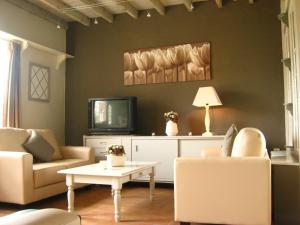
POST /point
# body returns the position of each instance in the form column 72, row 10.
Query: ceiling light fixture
column 96, row 21
column 148, row 14
column 58, row 26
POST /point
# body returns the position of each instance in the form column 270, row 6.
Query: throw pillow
column 49, row 136
column 229, row 139
column 41, row 150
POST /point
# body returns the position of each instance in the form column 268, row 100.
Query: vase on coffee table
column 116, row 160
column 115, row 155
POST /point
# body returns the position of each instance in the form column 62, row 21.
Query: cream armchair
column 23, row 182
column 226, row 190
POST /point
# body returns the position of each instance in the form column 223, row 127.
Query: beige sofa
column 23, row 182
column 226, row 190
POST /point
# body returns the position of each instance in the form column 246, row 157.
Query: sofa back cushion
column 12, row 139
column 249, row 142
column 49, row 136
column 41, row 150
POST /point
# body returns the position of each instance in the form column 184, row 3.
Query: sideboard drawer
column 102, row 143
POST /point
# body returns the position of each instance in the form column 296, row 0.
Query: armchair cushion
column 41, row 150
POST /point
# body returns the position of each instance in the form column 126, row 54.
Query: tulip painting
column 187, row 62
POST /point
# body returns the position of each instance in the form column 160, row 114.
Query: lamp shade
column 207, row 96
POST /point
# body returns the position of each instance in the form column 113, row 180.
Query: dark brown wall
column 246, row 68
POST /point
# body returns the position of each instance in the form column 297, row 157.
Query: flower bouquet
column 116, row 155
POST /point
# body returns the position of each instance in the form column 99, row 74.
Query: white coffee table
column 115, row 176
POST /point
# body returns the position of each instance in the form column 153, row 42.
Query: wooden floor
column 95, row 205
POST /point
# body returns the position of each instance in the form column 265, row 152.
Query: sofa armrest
column 211, row 152
column 16, row 177
column 78, row 152
column 235, row 189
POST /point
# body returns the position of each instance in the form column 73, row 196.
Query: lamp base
column 207, row 133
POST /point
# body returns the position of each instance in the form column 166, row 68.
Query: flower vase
column 171, row 128
column 115, row 160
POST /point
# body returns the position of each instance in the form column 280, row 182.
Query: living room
column 80, row 46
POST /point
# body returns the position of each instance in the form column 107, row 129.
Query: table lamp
column 206, row 97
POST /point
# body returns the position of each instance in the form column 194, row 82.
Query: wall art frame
column 178, row 63
column 39, row 82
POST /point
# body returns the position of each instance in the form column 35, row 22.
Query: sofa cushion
column 46, row 173
column 12, row 139
column 41, row 150
column 49, row 136
column 228, row 140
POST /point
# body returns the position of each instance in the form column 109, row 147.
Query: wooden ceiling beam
column 59, row 6
column 129, row 9
column 158, row 6
column 99, row 10
column 188, row 4
column 40, row 12
column 219, row 3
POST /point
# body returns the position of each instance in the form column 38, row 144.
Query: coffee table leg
column 70, row 184
column 117, row 186
column 117, row 203
column 152, row 185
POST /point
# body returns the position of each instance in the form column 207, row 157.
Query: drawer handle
column 136, row 148
column 101, row 142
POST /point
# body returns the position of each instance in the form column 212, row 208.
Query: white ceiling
column 63, row 11
column 114, row 7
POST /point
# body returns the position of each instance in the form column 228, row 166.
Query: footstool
column 41, row 217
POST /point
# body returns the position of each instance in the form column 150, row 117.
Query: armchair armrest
column 78, row 152
column 235, row 189
column 16, row 177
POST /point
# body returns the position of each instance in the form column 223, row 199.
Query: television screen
column 111, row 114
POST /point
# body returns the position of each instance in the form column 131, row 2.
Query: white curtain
column 5, row 62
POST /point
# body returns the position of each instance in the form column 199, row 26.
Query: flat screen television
column 112, row 115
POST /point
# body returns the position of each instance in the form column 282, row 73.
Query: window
column 5, row 55
column 291, row 76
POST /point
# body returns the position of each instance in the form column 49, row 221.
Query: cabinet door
column 162, row 151
column 192, row 148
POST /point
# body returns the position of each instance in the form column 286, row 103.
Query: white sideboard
column 162, row 149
